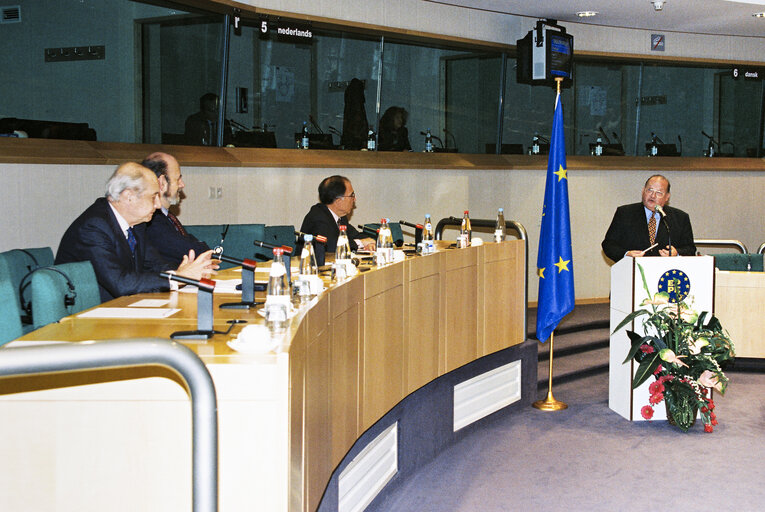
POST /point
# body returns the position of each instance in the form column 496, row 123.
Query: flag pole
column 550, row 403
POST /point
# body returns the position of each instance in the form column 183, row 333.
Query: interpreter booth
column 685, row 278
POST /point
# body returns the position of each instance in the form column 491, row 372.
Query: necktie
column 131, row 240
column 652, row 229
column 176, row 223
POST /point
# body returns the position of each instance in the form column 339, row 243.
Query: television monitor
column 544, row 54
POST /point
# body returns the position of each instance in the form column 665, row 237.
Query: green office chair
column 739, row 262
column 17, row 263
column 238, row 242
column 276, row 235
column 395, row 231
column 10, row 321
column 61, row 290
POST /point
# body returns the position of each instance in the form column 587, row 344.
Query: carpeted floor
column 589, row 458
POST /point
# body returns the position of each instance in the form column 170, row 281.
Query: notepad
column 150, row 313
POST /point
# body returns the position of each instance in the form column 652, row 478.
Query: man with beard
column 165, row 232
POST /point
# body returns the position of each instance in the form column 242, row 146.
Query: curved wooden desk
column 286, row 420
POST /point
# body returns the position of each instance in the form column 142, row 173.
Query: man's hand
column 669, row 251
column 369, row 244
column 635, row 254
column 197, row 267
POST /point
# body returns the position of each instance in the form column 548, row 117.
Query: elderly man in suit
column 111, row 235
column 337, row 201
column 640, row 229
column 164, row 231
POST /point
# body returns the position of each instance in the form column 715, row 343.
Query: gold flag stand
column 550, row 403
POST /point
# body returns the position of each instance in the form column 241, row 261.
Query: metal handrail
column 761, row 250
column 509, row 224
column 721, row 243
column 133, row 353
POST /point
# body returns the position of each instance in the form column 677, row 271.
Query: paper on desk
column 221, row 286
column 149, row 303
column 128, row 313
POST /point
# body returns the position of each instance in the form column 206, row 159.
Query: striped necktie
column 176, row 223
column 652, row 228
column 131, row 240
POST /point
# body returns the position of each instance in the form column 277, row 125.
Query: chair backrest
column 395, row 231
column 17, row 263
column 61, row 290
column 740, row 262
column 276, row 235
column 238, row 242
column 10, row 321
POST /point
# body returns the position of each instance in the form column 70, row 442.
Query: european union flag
column 554, row 263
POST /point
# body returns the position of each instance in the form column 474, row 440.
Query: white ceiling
column 724, row 17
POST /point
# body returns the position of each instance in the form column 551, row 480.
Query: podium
column 696, row 277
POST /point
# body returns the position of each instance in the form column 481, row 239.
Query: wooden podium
column 696, row 276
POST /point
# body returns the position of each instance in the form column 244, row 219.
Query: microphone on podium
column 205, row 289
column 286, row 248
column 318, row 238
column 417, row 231
column 660, row 210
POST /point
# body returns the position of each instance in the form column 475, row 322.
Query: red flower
column 646, row 349
column 656, row 387
column 714, row 421
column 713, row 416
column 655, row 398
column 708, row 428
column 704, row 409
column 711, row 404
column 658, row 370
column 647, row 412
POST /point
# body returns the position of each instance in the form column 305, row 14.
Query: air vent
column 11, row 14
column 486, row 393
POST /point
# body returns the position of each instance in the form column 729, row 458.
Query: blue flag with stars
column 554, row 262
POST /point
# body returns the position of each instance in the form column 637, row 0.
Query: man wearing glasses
column 337, row 201
column 640, row 229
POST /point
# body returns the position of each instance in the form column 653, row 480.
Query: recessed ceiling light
column 658, row 5
column 587, row 14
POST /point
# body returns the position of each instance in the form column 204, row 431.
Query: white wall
column 721, row 205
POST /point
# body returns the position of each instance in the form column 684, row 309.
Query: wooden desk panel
column 740, row 306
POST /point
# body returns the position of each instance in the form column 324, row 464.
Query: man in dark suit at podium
column 640, row 229
column 111, row 235
column 165, row 232
column 337, row 201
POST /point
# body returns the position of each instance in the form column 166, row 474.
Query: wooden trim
column 580, row 302
column 49, row 151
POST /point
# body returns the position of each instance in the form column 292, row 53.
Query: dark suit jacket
column 96, row 236
column 629, row 231
column 319, row 221
column 169, row 243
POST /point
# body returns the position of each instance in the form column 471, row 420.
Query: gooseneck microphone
column 664, row 218
column 207, row 285
column 286, row 248
column 411, row 225
column 318, row 238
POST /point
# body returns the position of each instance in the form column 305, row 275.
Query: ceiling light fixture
column 758, row 14
column 587, row 14
column 658, row 5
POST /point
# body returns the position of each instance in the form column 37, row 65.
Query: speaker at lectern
column 695, row 275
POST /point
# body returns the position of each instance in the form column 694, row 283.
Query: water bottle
column 278, row 296
column 343, row 265
column 427, row 246
column 499, row 228
column 304, row 142
column 535, row 144
column 308, row 271
column 371, row 142
column 466, row 233
column 428, row 142
column 384, row 253
column 598, row 146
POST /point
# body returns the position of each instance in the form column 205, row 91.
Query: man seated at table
column 164, row 231
column 639, row 229
column 337, row 201
column 111, row 235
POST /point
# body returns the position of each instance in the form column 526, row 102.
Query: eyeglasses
column 353, row 195
column 657, row 193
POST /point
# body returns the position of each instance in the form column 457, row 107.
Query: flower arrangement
column 683, row 350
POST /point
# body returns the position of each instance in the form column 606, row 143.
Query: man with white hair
column 164, row 231
column 111, row 235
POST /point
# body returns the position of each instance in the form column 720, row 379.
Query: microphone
column 313, row 123
column 434, row 137
column 203, row 284
column 659, row 209
column 600, row 129
column 368, row 230
column 618, row 139
column 680, row 141
column 238, row 126
column 318, row 238
column 286, row 248
column 409, row 224
column 447, row 132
